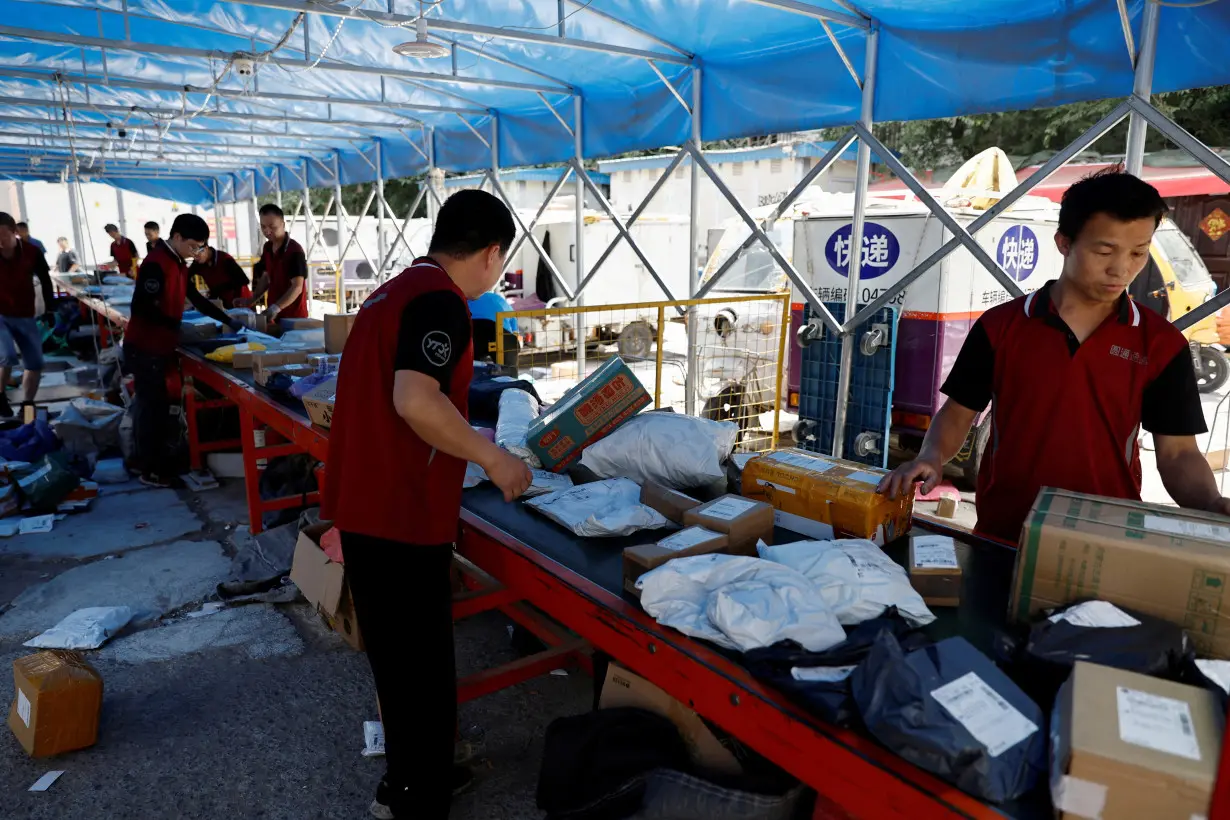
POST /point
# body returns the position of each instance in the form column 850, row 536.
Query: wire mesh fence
column 737, row 358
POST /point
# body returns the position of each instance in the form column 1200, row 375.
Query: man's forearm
column 946, row 435
column 292, row 293
column 436, row 421
column 1189, row 480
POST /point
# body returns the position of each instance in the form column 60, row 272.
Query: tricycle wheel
column 1214, row 370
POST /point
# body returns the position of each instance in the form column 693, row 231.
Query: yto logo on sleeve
column 437, row 347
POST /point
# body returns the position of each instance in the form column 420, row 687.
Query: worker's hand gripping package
column 676, row 451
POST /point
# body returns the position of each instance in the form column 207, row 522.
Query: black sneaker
column 381, row 809
column 157, row 480
column 6, row 409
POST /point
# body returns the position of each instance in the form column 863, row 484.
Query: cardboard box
column 319, row 402
column 1126, row 746
column 298, row 371
column 273, row 358
column 303, row 323
column 331, row 361
column 57, row 703
column 323, row 584
column 585, row 413
column 671, row 503
column 623, row 688
column 689, row 541
column 242, row 360
column 825, row 498
column 934, row 568
column 742, row 520
column 1163, row 561
column 337, row 330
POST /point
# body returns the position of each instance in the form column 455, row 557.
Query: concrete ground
column 255, row 711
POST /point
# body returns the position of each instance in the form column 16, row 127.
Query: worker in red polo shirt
column 1073, row 372
column 281, row 270
column 152, row 336
column 398, row 449
column 123, row 252
column 222, row 275
column 20, row 263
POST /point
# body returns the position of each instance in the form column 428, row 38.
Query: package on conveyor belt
column 671, row 449
column 599, row 509
column 689, row 541
column 739, row 603
column 823, row 497
column 949, row 710
column 671, row 503
column 518, row 409
column 858, row 581
column 1040, row 657
column 226, row 355
column 543, row 482
column 319, row 402
column 743, row 521
column 1126, row 745
column 587, row 412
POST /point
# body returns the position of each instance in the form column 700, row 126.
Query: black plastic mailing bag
column 948, row 709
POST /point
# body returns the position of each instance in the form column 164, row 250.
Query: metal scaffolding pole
column 579, row 232
column 220, row 235
column 1142, row 87
column 23, row 213
column 862, row 176
column 277, row 186
column 74, row 199
column 689, row 389
column 380, row 243
column 432, row 206
column 119, row 206
column 338, row 215
column 308, row 226
column 254, row 225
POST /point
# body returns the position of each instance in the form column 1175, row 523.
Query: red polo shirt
column 1065, row 413
column 281, row 265
column 224, row 278
column 158, row 302
column 124, row 253
column 17, row 281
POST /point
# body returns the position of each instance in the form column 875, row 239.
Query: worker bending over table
column 1072, row 373
column 222, row 275
column 281, row 270
column 398, row 449
column 20, row 263
column 123, row 252
column 152, row 336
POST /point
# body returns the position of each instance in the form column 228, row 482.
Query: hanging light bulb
column 420, row 46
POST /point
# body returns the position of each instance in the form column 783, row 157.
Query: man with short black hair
column 153, row 334
column 222, row 275
column 66, row 262
column 23, row 230
column 151, row 236
column 398, row 449
column 1073, row 372
column 281, row 271
column 20, row 263
column 123, row 252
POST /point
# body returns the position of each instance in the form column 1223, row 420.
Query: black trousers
column 403, row 599
column 151, row 408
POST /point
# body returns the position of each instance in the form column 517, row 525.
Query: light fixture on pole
column 420, row 46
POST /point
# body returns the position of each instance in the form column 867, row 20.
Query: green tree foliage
column 400, row 194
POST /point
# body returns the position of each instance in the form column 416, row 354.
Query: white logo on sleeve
column 152, row 285
column 437, row 347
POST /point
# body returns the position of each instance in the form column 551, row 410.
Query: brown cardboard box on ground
column 319, row 402
column 1170, row 563
column 1127, row 746
column 337, row 330
column 57, row 704
column 623, row 688
column 689, row 541
column 934, row 568
column 741, row 520
column 323, row 584
column 823, row 497
column 671, row 503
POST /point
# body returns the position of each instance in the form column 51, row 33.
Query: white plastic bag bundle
column 739, row 602
column 856, row 578
column 599, row 509
column 545, row 482
column 518, row 409
column 87, row 628
column 671, row 449
column 89, row 426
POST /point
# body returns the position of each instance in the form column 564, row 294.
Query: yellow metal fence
column 738, row 357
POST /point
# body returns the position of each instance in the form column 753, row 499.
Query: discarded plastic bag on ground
column 88, row 426
column 739, row 602
column 87, row 628
column 29, row 442
column 226, row 355
column 110, row 470
column 45, row 483
column 671, row 449
column 518, row 409
column 601, row 508
column 855, row 577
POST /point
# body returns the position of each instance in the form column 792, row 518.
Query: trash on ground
column 373, row 738
column 207, row 609
column 87, row 628
column 36, row 524
column 44, row 782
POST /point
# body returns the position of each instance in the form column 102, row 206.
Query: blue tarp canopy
column 328, row 84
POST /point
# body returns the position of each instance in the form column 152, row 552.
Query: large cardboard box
column 587, row 412
column 57, row 703
column 265, row 359
column 689, row 541
column 300, row 323
column 1163, row 561
column 742, row 520
column 323, row 583
column 1127, row 746
column 319, row 402
column 337, row 330
column 824, row 498
column 623, row 688
column 671, row 503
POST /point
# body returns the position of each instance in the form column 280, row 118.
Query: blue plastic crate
column 871, row 386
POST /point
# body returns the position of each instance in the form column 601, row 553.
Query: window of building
column 775, row 166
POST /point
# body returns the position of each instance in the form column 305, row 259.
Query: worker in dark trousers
column 222, row 275
column 153, row 334
column 123, row 252
column 281, row 271
column 20, row 263
column 398, row 449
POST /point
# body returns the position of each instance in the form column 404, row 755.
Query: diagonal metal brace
column 401, row 232
column 542, row 209
column 529, row 235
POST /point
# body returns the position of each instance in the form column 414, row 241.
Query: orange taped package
column 823, row 497
column 57, row 703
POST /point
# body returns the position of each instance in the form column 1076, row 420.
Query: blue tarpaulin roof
column 334, row 85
